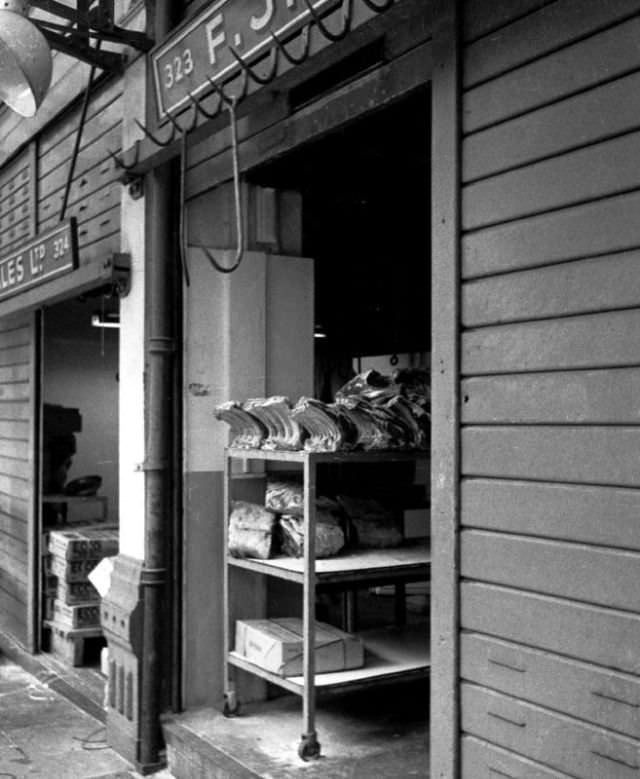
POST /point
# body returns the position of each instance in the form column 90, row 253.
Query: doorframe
column 444, row 725
column 34, row 580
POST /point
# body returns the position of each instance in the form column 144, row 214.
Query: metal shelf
column 301, row 456
column 390, row 653
column 410, row 561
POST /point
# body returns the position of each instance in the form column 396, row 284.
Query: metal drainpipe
column 158, row 497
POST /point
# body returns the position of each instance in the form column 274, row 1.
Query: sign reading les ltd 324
column 41, row 259
column 199, row 49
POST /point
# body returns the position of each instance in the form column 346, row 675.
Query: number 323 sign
column 199, row 49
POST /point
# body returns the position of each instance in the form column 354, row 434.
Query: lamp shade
column 25, row 63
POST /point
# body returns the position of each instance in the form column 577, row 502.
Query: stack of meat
column 372, row 411
column 264, row 531
column 261, row 423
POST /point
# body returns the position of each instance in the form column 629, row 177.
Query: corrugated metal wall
column 550, row 443
column 94, row 197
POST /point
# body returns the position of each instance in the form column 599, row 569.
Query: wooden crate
column 81, row 615
column 71, row 570
column 84, row 543
column 74, row 593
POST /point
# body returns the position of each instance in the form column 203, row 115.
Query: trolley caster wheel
column 309, row 748
column 231, row 706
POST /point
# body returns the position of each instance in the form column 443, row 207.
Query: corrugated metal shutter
column 550, row 443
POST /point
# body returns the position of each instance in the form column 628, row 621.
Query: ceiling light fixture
column 105, row 320
column 26, row 43
column 25, row 60
column 319, row 332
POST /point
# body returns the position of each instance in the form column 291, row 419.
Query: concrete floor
column 380, row 733
column 43, row 734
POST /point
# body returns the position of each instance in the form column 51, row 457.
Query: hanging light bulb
column 25, row 59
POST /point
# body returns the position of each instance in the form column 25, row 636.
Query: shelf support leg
column 309, row 746
column 230, row 702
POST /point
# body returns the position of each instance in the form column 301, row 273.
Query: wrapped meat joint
column 329, row 536
column 328, row 427
column 388, row 412
column 247, row 432
column 283, row 432
column 284, row 496
column 252, row 531
column 373, row 525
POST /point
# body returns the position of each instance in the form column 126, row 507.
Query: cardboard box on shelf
column 276, row 645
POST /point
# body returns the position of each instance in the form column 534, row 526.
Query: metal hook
column 151, row 137
column 236, row 192
column 378, row 8
column 224, row 97
column 346, row 7
column 293, row 60
column 118, row 160
column 177, row 126
column 249, row 70
column 201, row 110
column 244, row 91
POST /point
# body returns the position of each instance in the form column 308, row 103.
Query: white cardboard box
column 276, row 645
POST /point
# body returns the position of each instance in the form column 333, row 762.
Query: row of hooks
column 228, row 103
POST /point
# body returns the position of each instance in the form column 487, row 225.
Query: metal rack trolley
column 392, row 653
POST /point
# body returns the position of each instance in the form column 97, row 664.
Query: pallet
column 68, row 644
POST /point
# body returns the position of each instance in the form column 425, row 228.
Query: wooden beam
column 445, row 154
column 371, row 92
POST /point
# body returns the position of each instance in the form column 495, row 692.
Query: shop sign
column 199, row 50
column 48, row 255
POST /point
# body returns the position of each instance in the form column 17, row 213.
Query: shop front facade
column 67, row 384
column 401, row 185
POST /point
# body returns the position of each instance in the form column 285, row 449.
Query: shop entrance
column 366, row 223
column 79, row 474
column 364, row 193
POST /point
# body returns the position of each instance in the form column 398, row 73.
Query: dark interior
column 366, row 223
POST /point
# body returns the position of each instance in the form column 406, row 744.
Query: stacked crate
column 72, row 604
